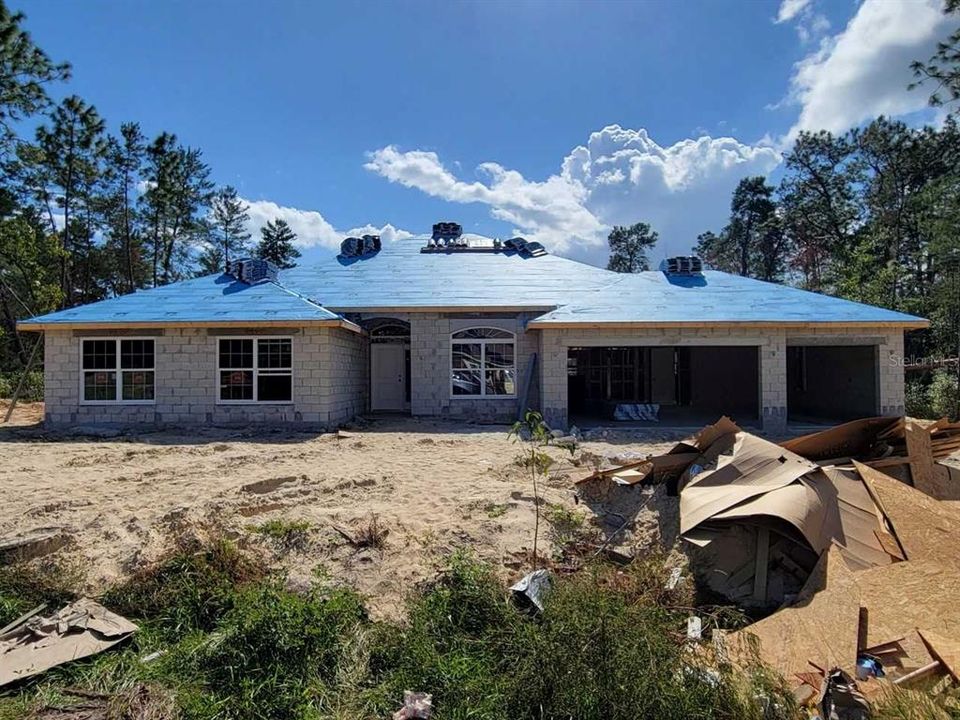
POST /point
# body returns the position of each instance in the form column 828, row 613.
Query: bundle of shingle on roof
column 851, row 532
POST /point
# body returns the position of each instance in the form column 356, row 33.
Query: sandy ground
column 436, row 486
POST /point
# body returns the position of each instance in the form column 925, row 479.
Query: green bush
column 190, row 589
column 933, row 398
column 943, row 394
column 238, row 645
column 917, row 398
column 605, row 647
column 274, row 647
column 32, row 390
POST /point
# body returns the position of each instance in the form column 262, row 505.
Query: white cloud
column 312, row 229
column 620, row 176
column 789, row 9
column 864, row 70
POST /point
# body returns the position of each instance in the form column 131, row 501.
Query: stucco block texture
column 771, row 346
column 329, row 381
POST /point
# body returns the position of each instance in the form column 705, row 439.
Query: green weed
column 286, row 535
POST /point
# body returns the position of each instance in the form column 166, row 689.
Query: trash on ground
column 39, row 643
column 416, row 706
column 531, row 589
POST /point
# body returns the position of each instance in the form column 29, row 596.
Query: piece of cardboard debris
column 416, row 706
column 79, row 630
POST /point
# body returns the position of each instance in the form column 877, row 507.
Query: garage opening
column 691, row 385
column 831, row 383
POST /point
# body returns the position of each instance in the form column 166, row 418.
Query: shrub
column 943, row 394
column 273, row 647
column 917, row 398
column 189, row 589
column 286, row 535
column 455, row 645
column 32, row 390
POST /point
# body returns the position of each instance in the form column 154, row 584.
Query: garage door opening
column 692, row 385
column 831, row 383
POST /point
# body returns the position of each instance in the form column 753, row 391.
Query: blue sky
column 553, row 120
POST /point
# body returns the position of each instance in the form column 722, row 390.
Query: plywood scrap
column 943, row 648
column 926, row 528
column 857, row 438
column 33, row 544
column 820, row 628
column 927, row 476
column 79, row 630
column 654, row 469
column 904, row 596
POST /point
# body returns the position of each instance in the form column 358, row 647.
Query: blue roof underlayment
column 213, row 298
column 400, row 276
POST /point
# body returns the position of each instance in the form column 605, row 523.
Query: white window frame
column 483, row 361
column 117, row 369
column 255, row 369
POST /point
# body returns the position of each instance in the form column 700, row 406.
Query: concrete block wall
column 430, row 364
column 771, row 345
column 329, row 380
column 889, row 345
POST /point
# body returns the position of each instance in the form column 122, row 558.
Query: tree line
column 87, row 214
column 871, row 215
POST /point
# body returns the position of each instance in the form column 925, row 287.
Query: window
column 116, row 370
column 255, row 370
column 483, row 363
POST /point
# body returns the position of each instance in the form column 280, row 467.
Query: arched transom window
column 483, row 363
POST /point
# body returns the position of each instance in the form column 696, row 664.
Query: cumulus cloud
column 312, row 229
column 619, row 176
column 789, row 9
column 864, row 70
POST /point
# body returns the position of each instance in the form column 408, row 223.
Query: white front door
column 387, row 376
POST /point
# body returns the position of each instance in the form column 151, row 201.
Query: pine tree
column 124, row 236
column 276, row 244
column 228, row 223
column 63, row 172
column 628, row 247
column 178, row 193
column 24, row 71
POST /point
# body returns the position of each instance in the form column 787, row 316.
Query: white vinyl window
column 117, row 370
column 251, row 370
column 482, row 363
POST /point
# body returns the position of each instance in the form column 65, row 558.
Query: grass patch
column 495, row 510
column 25, row 585
column 286, row 535
column 190, row 588
column 238, row 645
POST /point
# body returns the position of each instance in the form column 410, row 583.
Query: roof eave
column 916, row 324
column 140, row 324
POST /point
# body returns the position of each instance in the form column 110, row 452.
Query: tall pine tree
column 228, row 228
column 276, row 244
column 628, row 247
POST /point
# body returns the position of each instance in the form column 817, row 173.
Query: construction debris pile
column 850, row 535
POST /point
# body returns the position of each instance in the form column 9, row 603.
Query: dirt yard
column 435, row 486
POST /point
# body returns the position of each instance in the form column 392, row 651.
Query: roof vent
column 446, row 233
column 252, row 270
column 525, row 247
column 682, row 265
column 360, row 246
